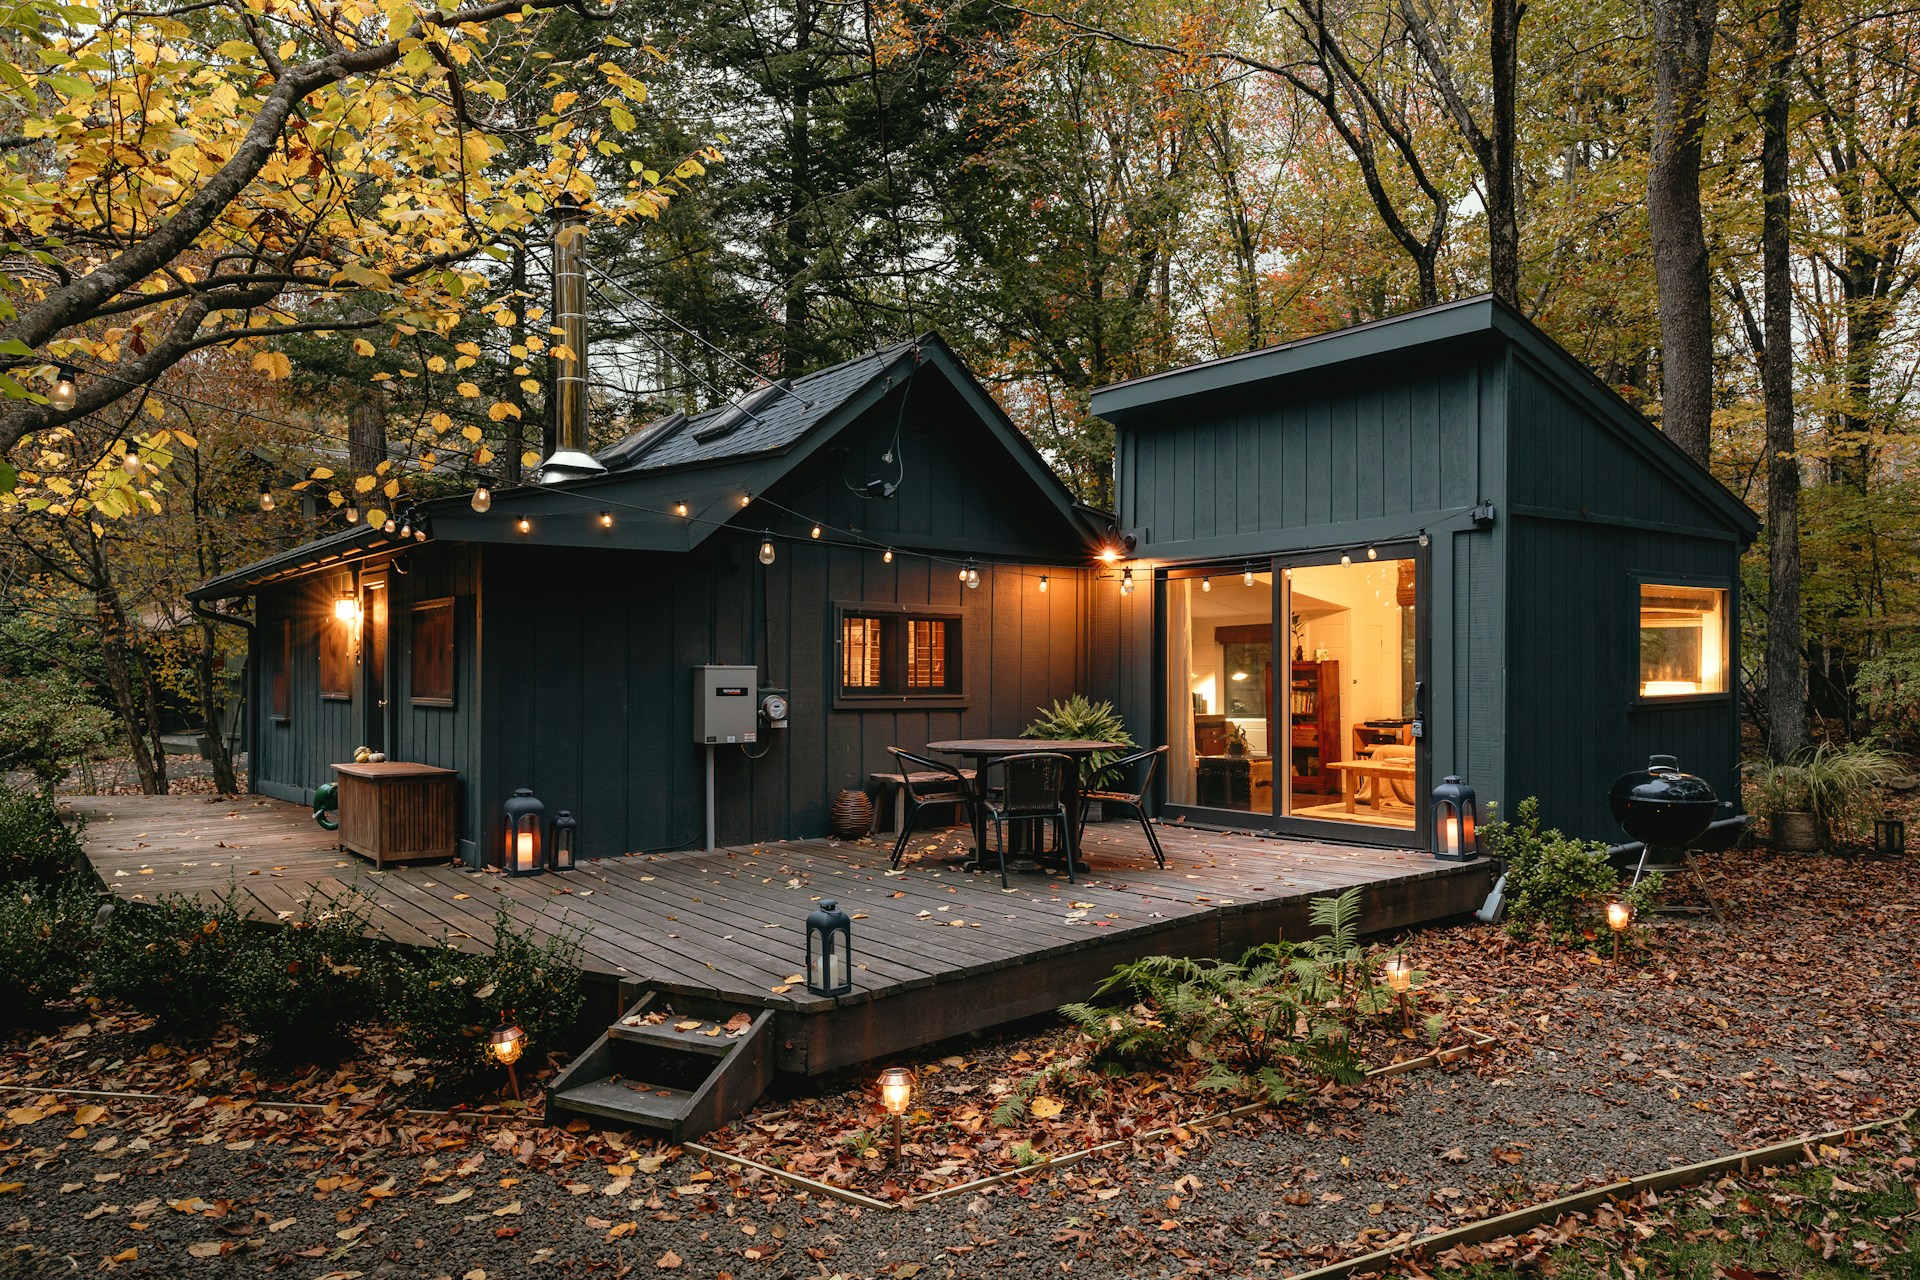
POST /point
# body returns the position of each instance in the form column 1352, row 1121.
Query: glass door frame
column 1277, row 822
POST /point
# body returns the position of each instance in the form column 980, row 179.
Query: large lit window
column 1683, row 641
column 889, row 653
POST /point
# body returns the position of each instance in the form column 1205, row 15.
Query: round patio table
column 984, row 751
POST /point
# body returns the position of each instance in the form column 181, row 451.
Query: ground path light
column 1619, row 916
column 896, row 1092
column 1399, row 972
column 506, row 1043
column 1889, row 836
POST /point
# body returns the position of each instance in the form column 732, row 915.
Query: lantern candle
column 1455, row 815
column 525, row 820
column 829, row 950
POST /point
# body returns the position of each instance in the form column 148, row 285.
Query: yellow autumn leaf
column 468, row 391
column 436, row 364
column 274, row 364
column 361, row 347
column 1046, row 1108
column 440, row 422
column 501, row 411
column 363, row 484
column 392, row 489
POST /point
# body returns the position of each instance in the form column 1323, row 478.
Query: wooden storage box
column 399, row 812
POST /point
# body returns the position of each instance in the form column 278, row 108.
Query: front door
column 1293, row 689
column 373, row 661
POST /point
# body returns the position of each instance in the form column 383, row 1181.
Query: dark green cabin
column 562, row 658
column 1430, row 545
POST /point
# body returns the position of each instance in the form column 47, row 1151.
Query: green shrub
column 300, row 987
column 35, row 846
column 173, row 960
column 47, row 723
column 444, row 1002
column 1554, row 881
column 1837, row 784
column 1262, row 1026
column 45, row 934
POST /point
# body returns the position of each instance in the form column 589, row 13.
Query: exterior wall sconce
column 564, row 851
column 1455, row 817
column 829, row 950
column 347, row 609
column 524, row 853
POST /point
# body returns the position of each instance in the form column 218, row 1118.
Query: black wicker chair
column 1114, row 775
column 1032, row 785
column 948, row 785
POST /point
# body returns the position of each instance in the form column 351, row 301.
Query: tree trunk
column 796, row 237
column 1786, row 675
column 1502, row 169
column 134, row 703
column 367, row 432
column 1682, row 47
column 516, row 442
column 213, row 707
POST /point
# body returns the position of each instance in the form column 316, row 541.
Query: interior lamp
column 524, row 820
column 1455, row 816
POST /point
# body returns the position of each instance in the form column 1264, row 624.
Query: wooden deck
column 939, row 950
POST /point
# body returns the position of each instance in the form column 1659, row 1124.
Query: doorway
column 1293, row 694
column 373, row 661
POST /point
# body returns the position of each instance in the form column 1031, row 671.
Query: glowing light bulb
column 745, row 498
column 815, row 531
column 1373, row 553
column 1109, row 554
column 420, row 534
column 525, row 525
column 606, row 519
column 1345, row 558
column 65, row 390
column 406, row 527
column 130, row 462
column 973, row 577
column 390, row 526
column 1424, row 539
column 482, row 500
column 680, row 509
column 266, row 498
column 896, row 1090
column 886, row 557
column 1206, row 583
column 353, row 514
column 1126, row 582
column 1247, row 577
column 1043, row 584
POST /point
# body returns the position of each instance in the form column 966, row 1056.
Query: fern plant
column 1065, row 1075
column 1081, row 719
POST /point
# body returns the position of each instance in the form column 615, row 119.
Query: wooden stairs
column 674, row 1065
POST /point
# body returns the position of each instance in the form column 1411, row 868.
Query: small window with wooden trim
column 431, row 674
column 899, row 655
column 1683, row 641
column 283, row 672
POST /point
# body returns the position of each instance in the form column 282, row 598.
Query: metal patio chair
column 1114, row 775
column 1032, row 788
column 926, row 782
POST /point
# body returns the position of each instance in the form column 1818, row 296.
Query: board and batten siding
column 296, row 754
column 446, row 737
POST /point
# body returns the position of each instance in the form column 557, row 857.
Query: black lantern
column 1889, row 836
column 1455, row 818
column 526, row 833
column 829, row 950
column 565, row 846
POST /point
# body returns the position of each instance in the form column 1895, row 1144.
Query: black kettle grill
column 1662, row 807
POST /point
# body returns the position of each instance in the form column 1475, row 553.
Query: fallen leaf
column 667, row 1261
column 464, row 1193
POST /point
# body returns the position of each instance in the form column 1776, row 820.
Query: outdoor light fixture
column 564, row 850
column 1206, row 583
column 406, row 524
column 1889, row 837
column 1126, row 581
column 524, row 820
column 680, row 509
column 1454, row 818
column 353, row 514
column 896, row 1092
column 64, row 392
column 829, row 950
column 815, row 532
column 1109, row 554
column 766, row 548
column 1247, row 577
column 505, row 1044
column 1619, row 916
column 606, row 519
column 524, row 525
column 130, row 460
column 1346, row 558
column 346, row 609
column 1043, row 584
column 266, row 498
column 1399, row 974
column 389, row 526
column 482, row 500
column 1424, row 539
column 1373, row 553
column 972, row 576
column 745, row 498
column 886, row 557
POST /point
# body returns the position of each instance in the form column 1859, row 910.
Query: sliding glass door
column 1293, row 695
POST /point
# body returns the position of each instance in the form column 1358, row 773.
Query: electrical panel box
column 726, row 707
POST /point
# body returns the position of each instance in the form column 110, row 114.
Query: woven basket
column 852, row 814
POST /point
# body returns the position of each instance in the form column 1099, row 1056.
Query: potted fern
column 1081, row 719
column 1822, row 794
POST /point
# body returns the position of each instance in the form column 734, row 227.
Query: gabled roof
column 711, row 460
column 1140, row 402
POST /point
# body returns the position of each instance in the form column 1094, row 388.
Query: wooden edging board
column 1520, row 1221
column 111, row 1095
column 1067, row 1158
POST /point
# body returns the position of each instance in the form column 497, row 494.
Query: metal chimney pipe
column 570, row 460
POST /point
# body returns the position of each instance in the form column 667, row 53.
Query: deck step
column 674, row 1065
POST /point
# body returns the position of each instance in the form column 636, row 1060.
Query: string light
column 1043, row 584
column 1126, row 581
column 420, row 534
column 390, row 526
column 745, row 498
column 1206, row 582
column 65, row 389
column 606, row 519
column 406, row 525
column 524, row 526
column 266, row 498
column 1373, row 553
column 680, row 509
column 971, row 576
column 482, row 500
column 1424, row 539
column 1346, row 558
column 353, row 514
column 1247, row 577
column 766, row 548
column 886, row 557
column 130, row 463
column 816, row 531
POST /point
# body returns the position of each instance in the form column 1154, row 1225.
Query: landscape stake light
column 1399, row 972
column 1619, row 916
column 1455, row 816
column 1889, row 836
column 896, row 1092
column 525, row 820
column 564, row 851
column 829, row 950
column 506, row 1043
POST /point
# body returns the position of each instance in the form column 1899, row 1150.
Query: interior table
column 1379, row 772
column 983, row 751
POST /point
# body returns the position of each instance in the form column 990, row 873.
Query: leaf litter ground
column 1798, row 1014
